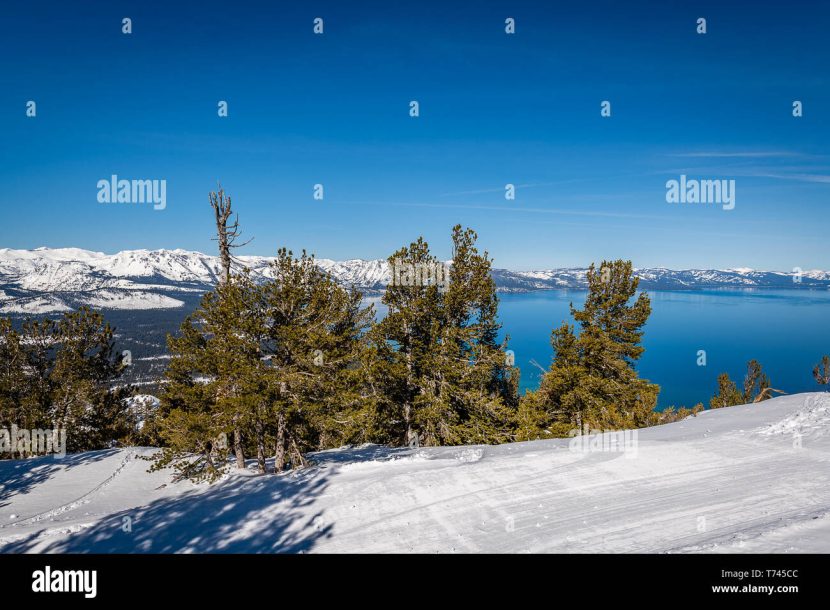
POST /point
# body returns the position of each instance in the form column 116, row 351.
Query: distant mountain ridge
column 46, row 280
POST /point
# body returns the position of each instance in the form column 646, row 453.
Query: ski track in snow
column 753, row 478
column 79, row 501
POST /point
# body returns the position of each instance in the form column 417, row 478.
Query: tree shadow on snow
column 265, row 514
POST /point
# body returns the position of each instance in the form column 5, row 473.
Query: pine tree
column 727, row 395
column 316, row 350
column 593, row 382
column 756, row 383
column 404, row 345
column 822, row 371
column 227, row 232
column 87, row 403
column 563, row 400
column 440, row 375
column 214, row 373
column 756, row 388
column 15, row 401
column 487, row 395
column 62, row 375
column 278, row 361
column 38, row 347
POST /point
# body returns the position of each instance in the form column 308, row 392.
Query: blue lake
column 786, row 330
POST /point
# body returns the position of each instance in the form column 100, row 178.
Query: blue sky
column 495, row 109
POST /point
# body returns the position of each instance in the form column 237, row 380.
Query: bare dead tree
column 227, row 231
column 766, row 393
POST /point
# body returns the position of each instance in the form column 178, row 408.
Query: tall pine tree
column 440, row 375
column 593, row 382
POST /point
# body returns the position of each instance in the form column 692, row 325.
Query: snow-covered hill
column 752, row 478
column 58, row 279
column 48, row 280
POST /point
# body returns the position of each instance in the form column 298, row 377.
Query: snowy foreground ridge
column 752, row 478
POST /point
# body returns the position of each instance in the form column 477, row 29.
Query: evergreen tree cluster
column 279, row 367
column 295, row 364
column 264, row 369
column 61, row 375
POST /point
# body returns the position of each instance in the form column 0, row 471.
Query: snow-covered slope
column 49, row 280
column 52, row 280
column 753, row 478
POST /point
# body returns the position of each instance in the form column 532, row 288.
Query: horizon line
column 734, row 269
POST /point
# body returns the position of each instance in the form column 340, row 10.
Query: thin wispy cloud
column 813, row 178
column 753, row 154
column 790, row 173
column 500, row 189
column 504, row 208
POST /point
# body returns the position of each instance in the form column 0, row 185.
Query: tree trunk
column 407, row 418
column 209, row 458
column 407, row 407
column 225, row 232
column 237, row 448
column 297, row 456
column 279, row 457
column 260, row 447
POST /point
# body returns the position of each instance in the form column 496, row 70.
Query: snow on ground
column 33, row 305
column 752, row 478
column 132, row 299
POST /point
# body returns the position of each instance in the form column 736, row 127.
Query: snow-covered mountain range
column 47, row 280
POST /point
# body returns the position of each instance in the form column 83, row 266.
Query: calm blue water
column 786, row 330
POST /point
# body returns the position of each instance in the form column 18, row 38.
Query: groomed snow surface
column 752, row 478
